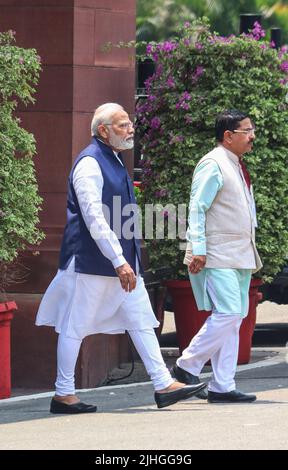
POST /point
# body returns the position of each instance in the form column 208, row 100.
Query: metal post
column 276, row 37
column 145, row 69
column 247, row 21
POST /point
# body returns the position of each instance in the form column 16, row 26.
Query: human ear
column 227, row 137
column 103, row 132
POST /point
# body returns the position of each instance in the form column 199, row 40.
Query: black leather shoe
column 230, row 397
column 58, row 407
column 183, row 376
column 169, row 398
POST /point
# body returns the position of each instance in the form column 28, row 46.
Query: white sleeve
column 88, row 184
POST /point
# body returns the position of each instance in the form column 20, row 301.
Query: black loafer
column 58, row 407
column 230, row 397
column 183, row 376
column 169, row 398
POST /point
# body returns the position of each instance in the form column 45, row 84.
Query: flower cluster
column 183, row 101
column 257, row 31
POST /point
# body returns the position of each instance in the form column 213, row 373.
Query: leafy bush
column 198, row 75
column 19, row 199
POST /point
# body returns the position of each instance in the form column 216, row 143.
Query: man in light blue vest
column 99, row 288
column 221, row 255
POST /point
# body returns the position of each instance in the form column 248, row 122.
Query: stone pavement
column 127, row 417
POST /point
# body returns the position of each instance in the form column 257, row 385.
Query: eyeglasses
column 123, row 125
column 249, row 131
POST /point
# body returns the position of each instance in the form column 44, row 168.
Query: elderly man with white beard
column 98, row 287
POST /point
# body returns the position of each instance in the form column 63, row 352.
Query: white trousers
column 146, row 344
column 218, row 340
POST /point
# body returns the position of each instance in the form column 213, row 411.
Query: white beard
column 119, row 143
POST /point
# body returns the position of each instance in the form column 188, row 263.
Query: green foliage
column 158, row 19
column 19, row 199
column 275, row 13
column 197, row 76
column 138, row 194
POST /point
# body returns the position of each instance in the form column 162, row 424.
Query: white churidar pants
column 218, row 340
column 146, row 344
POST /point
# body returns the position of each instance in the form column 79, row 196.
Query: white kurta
column 95, row 304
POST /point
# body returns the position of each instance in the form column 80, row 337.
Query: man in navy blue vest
column 99, row 287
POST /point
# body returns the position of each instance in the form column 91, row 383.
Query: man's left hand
column 127, row 277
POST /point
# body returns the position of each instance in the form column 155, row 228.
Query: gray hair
column 103, row 114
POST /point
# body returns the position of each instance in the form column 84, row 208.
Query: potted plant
column 198, row 74
column 19, row 199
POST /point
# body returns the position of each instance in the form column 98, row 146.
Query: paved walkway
column 127, row 416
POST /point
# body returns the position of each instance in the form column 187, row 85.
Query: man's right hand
column 127, row 277
column 197, row 264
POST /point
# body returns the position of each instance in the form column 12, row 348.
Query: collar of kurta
column 231, row 155
column 239, row 161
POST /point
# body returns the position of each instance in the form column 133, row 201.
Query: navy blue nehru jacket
column 77, row 240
